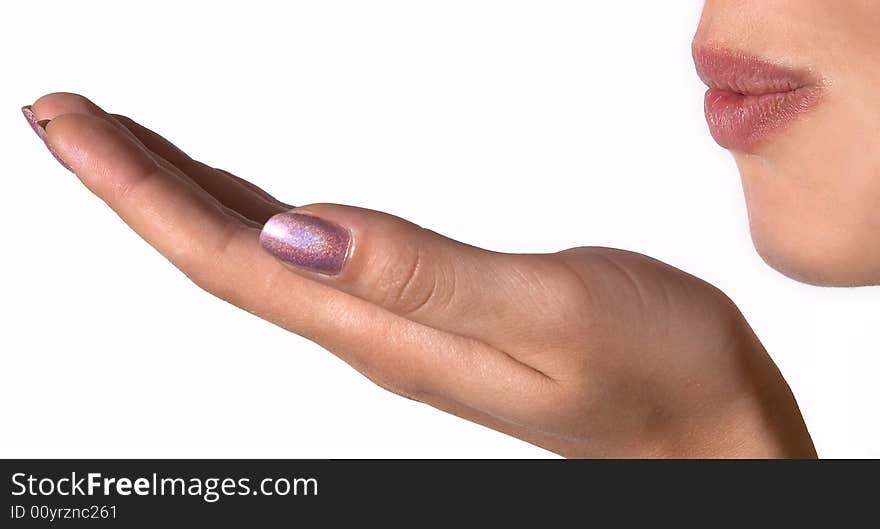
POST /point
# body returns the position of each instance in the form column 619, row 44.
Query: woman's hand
column 587, row 352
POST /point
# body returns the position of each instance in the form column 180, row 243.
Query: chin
column 817, row 257
column 814, row 209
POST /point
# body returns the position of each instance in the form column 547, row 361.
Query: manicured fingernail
column 40, row 128
column 307, row 241
column 32, row 121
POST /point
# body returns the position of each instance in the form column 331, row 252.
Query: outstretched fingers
column 232, row 191
column 222, row 254
column 248, row 201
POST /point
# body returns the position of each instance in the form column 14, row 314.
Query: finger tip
column 71, row 137
column 55, row 104
column 34, row 123
column 39, row 126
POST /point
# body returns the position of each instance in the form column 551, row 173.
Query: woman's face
column 795, row 95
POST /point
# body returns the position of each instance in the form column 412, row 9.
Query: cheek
column 814, row 197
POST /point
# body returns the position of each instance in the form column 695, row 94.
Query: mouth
column 750, row 99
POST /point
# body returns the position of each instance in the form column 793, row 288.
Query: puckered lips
column 749, row 98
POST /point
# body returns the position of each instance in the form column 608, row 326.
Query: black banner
column 133, row 493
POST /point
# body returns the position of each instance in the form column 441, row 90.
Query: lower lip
column 743, row 122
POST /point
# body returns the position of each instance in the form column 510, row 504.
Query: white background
column 518, row 126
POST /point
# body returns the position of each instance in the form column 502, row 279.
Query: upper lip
column 740, row 73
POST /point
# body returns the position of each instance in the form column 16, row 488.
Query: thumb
column 406, row 269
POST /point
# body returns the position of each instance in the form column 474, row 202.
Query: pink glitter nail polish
column 40, row 128
column 32, row 121
column 307, row 241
